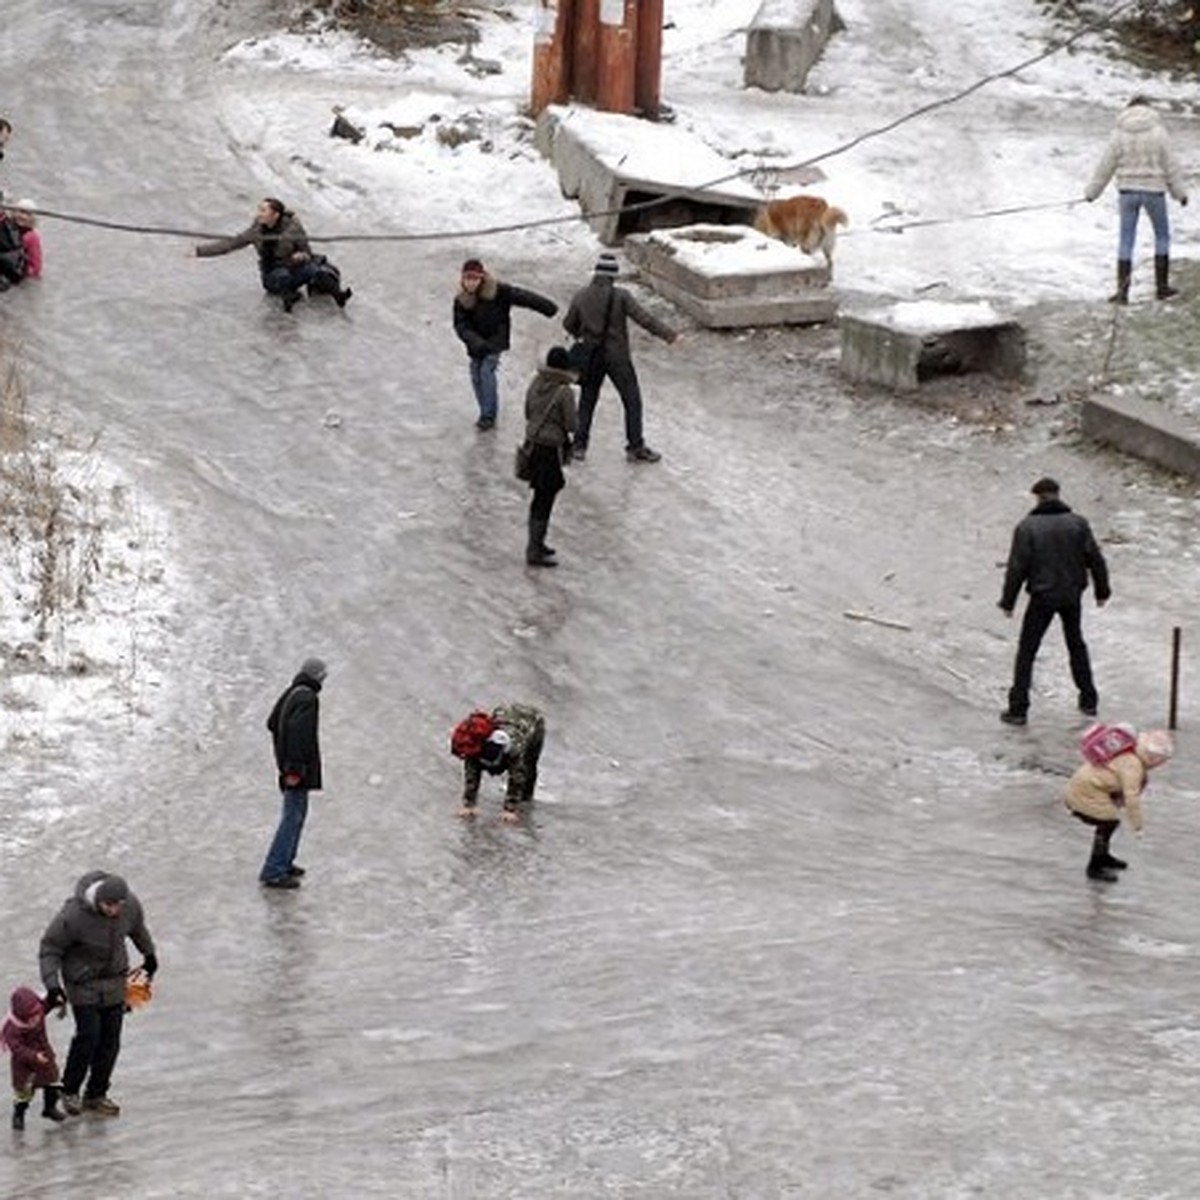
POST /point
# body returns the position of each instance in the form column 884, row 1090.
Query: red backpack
column 470, row 733
column 1101, row 743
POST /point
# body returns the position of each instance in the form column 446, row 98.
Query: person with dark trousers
column 1053, row 554
column 294, row 727
column 1139, row 154
column 285, row 260
column 83, row 961
column 483, row 322
column 509, row 741
column 549, row 424
column 599, row 317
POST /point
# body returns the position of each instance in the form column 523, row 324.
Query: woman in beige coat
column 1104, row 796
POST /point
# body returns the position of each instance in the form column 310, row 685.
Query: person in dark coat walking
column 34, row 1064
column 549, row 424
column 293, row 725
column 83, row 951
column 483, row 321
column 599, row 317
column 285, row 260
column 1053, row 553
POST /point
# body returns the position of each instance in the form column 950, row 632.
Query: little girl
column 1104, row 795
column 23, row 218
column 23, row 1034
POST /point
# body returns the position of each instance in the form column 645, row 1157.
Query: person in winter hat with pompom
column 1104, row 795
column 23, row 1035
column 83, row 960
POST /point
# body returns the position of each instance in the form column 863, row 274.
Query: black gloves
column 55, row 998
column 150, row 965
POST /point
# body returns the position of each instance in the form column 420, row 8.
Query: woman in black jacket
column 549, row 423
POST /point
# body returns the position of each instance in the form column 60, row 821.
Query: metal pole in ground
column 1173, row 717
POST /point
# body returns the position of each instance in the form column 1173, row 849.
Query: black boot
column 535, row 554
column 18, row 1121
column 1162, row 277
column 1124, row 274
column 50, row 1109
column 341, row 297
column 1114, row 863
column 1098, row 866
column 289, row 300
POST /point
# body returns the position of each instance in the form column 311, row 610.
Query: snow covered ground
column 794, row 915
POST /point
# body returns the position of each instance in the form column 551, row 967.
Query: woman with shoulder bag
column 550, row 417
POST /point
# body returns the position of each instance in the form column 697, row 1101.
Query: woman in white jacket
column 1139, row 155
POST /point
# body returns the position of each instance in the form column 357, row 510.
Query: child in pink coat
column 23, row 1035
column 22, row 216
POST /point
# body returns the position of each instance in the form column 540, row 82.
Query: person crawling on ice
column 285, row 260
column 1103, row 794
column 509, row 738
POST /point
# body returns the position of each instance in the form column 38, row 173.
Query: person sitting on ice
column 285, row 260
column 1103, row 795
column 509, row 738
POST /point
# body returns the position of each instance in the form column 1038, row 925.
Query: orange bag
column 138, row 990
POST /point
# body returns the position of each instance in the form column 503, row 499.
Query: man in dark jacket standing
column 83, row 951
column 483, row 322
column 1053, row 553
column 293, row 726
column 599, row 317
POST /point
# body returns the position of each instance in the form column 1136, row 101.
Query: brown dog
column 805, row 221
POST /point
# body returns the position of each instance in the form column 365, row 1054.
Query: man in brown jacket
column 599, row 317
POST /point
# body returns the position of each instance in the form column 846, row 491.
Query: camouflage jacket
column 526, row 727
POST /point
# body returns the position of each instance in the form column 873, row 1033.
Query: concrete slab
column 1144, row 429
column 609, row 162
column 729, row 276
column 785, row 40
column 910, row 342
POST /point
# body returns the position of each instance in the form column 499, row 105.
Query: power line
column 645, row 205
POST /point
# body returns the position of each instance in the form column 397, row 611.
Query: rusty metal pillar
column 551, row 55
column 647, row 91
column 618, row 55
column 585, row 51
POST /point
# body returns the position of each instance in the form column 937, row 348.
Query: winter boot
column 18, row 1121
column 1124, row 274
column 289, row 300
column 1162, row 277
column 535, row 554
column 340, row 298
column 1098, row 866
column 1113, row 863
column 50, row 1109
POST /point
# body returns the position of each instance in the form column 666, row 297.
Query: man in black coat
column 483, row 322
column 1053, row 553
column 293, row 725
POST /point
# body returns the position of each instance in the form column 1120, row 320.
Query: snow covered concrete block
column 785, row 40
column 1145, row 430
column 613, row 163
column 729, row 276
column 903, row 346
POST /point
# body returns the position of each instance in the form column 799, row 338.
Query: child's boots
column 18, row 1120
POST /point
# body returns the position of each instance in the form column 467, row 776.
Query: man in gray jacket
column 83, row 951
column 1053, row 553
column 598, row 317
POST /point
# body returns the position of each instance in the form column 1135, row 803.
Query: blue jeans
column 280, row 280
column 1130, row 204
column 282, row 855
column 483, row 381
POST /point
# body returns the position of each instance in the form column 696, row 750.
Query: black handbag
column 585, row 354
column 523, row 458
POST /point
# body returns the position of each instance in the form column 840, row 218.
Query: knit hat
column 473, row 267
column 314, row 668
column 26, row 1004
column 607, row 264
column 112, row 889
column 559, row 358
column 495, row 748
column 1155, row 746
column 1045, row 487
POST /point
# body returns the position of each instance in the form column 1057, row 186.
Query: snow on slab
column 736, row 250
column 921, row 316
column 669, row 156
